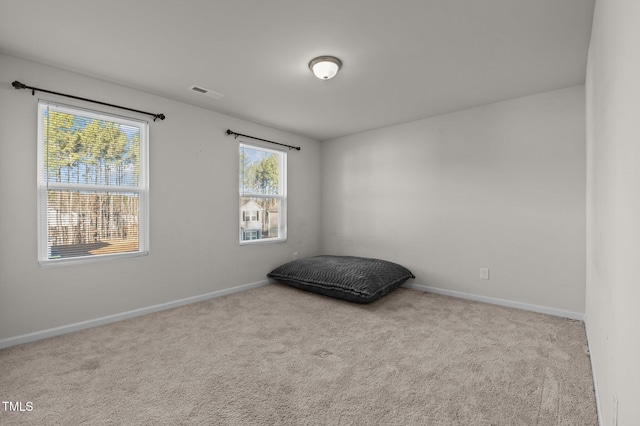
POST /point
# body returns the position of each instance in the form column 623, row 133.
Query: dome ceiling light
column 325, row 67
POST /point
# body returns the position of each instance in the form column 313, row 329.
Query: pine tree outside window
column 92, row 185
column 263, row 198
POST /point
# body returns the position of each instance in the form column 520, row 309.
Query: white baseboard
column 593, row 373
column 56, row 331
column 502, row 302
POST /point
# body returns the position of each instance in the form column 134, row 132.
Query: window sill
column 89, row 259
column 263, row 241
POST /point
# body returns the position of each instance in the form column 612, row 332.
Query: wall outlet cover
column 484, row 273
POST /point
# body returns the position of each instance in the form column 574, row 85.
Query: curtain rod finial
column 17, row 85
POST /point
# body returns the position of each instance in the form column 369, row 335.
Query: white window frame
column 142, row 189
column 281, row 197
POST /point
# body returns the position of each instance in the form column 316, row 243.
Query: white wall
column 499, row 186
column 193, row 208
column 613, row 208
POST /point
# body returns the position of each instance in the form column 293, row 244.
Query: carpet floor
column 281, row 356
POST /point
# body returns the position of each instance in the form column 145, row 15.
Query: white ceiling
column 402, row 60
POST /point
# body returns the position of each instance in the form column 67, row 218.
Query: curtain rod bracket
column 235, row 136
column 17, row 85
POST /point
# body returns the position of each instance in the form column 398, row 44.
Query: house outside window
column 263, row 201
column 92, row 185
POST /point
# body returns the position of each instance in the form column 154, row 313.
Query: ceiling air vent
column 211, row 93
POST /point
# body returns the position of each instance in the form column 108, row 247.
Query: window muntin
column 92, row 185
column 262, row 184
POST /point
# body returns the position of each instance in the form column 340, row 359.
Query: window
column 250, row 235
column 92, row 185
column 263, row 198
column 251, row 216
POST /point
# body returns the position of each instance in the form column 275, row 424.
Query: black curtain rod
column 17, row 85
column 231, row 132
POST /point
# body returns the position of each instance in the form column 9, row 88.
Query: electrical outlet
column 295, row 255
column 484, row 273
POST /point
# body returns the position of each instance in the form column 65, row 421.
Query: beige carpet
column 280, row 356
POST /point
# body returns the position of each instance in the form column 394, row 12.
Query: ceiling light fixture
column 325, row 67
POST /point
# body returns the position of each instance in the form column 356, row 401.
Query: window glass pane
column 260, row 171
column 91, row 223
column 85, row 150
column 260, row 218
